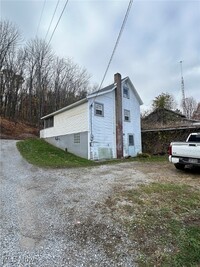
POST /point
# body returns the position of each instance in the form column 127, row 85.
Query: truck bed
column 185, row 153
column 185, row 149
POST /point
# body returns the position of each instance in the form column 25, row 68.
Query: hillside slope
column 16, row 130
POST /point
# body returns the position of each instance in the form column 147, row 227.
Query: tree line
column 33, row 80
column 167, row 101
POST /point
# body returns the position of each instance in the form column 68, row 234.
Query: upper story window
column 98, row 109
column 126, row 92
column 49, row 122
column 127, row 115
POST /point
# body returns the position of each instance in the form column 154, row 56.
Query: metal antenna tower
column 183, row 90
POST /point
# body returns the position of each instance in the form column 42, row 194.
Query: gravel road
column 58, row 217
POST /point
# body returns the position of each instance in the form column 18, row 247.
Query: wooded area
column 33, row 80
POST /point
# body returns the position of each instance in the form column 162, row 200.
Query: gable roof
column 157, row 110
column 112, row 87
column 106, row 89
column 127, row 79
column 102, row 91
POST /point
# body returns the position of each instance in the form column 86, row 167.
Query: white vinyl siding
column 103, row 128
column 74, row 120
column 134, row 127
column 89, row 129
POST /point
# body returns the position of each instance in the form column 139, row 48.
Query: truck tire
column 179, row 166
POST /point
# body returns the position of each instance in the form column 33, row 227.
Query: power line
column 40, row 17
column 58, row 21
column 116, row 44
column 52, row 19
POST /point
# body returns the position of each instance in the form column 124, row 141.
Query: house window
column 130, row 140
column 126, row 92
column 126, row 115
column 98, row 109
column 77, row 138
column 49, row 122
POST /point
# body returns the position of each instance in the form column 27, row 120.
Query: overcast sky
column 158, row 34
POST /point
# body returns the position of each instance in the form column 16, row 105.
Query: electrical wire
column 58, row 22
column 40, row 17
column 115, row 47
column 52, row 19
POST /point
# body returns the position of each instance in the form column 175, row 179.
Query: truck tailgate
column 183, row 149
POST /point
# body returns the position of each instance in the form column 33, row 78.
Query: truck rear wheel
column 179, row 166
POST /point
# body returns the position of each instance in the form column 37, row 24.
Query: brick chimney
column 118, row 115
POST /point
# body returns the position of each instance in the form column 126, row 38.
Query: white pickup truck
column 185, row 153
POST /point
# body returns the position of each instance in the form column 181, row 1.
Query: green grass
column 40, row 153
column 164, row 221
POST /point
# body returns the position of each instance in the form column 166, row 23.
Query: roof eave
column 135, row 91
column 100, row 93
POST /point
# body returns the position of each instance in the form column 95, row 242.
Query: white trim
column 134, row 90
column 95, row 94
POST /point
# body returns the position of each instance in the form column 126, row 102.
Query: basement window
column 126, row 92
column 126, row 115
column 77, row 138
column 49, row 122
column 98, row 109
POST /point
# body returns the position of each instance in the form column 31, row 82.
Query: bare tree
column 9, row 38
column 196, row 113
column 9, row 79
column 190, row 106
column 59, row 84
column 70, row 83
column 30, row 66
column 33, row 82
column 145, row 113
column 39, row 59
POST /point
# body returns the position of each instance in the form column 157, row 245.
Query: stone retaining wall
column 157, row 141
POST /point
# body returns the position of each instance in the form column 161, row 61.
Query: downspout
column 91, row 132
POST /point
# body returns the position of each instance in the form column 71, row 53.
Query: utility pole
column 183, row 90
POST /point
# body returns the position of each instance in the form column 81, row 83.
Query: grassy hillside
column 40, row 153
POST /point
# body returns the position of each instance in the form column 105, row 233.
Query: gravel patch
column 58, row 217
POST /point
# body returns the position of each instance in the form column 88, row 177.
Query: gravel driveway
column 58, row 217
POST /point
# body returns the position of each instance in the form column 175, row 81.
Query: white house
column 104, row 125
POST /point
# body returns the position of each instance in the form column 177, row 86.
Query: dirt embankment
column 16, row 130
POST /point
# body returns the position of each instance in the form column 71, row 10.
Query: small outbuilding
column 104, row 125
column 165, row 118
